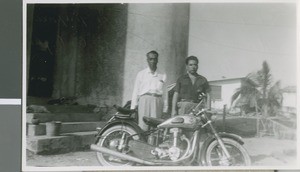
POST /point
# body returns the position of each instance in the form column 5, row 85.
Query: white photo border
column 155, row 168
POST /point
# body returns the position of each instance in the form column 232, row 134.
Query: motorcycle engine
column 174, row 153
column 172, row 148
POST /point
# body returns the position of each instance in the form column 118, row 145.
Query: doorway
column 42, row 58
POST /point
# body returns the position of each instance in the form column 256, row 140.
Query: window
column 216, row 92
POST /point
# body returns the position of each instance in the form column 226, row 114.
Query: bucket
column 53, row 128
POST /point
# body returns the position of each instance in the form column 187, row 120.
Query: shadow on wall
column 87, row 45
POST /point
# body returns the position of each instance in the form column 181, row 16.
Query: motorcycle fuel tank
column 182, row 121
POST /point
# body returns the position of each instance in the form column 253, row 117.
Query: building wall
column 289, row 102
column 101, row 47
column 228, row 88
column 233, row 39
column 160, row 27
column 90, row 53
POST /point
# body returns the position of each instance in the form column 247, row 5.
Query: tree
column 257, row 91
column 247, row 95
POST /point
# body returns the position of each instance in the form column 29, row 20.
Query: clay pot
column 53, row 128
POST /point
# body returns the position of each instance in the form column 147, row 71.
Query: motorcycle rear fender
column 120, row 122
column 211, row 138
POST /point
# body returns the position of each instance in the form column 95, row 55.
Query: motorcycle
column 171, row 142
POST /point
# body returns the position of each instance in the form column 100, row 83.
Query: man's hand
column 165, row 109
column 174, row 113
column 134, row 108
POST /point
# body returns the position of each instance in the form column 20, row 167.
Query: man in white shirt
column 148, row 91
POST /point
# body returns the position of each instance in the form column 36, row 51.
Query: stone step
column 64, row 117
column 66, row 127
column 71, row 127
column 64, row 143
column 70, row 108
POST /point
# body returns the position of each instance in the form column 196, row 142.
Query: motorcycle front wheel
column 215, row 156
column 110, row 139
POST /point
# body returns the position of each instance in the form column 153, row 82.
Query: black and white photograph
column 164, row 85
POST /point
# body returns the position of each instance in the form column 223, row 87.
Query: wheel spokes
column 218, row 157
column 106, row 143
column 236, row 156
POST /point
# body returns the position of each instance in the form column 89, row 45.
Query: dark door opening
column 41, row 68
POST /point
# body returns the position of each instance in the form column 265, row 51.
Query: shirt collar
column 187, row 75
column 149, row 71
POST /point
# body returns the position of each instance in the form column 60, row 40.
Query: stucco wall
column 101, row 48
column 90, row 53
column 228, row 88
column 160, row 27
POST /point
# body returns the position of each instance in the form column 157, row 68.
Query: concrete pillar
column 66, row 53
column 160, row 27
column 90, row 53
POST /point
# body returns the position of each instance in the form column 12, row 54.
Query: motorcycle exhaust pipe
column 121, row 155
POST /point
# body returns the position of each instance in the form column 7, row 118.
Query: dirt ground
column 263, row 151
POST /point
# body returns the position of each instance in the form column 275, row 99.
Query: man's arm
column 165, row 95
column 174, row 104
column 208, row 97
column 208, row 102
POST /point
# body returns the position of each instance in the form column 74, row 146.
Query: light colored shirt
column 146, row 82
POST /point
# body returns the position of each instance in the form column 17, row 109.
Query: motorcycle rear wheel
column 239, row 155
column 114, row 133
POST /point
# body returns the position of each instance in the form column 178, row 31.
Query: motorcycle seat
column 152, row 121
column 124, row 111
column 124, row 116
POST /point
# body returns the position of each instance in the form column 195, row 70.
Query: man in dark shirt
column 188, row 87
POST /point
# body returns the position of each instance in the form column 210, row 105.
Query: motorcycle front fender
column 120, row 122
column 211, row 138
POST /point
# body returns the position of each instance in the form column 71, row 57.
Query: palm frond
column 252, row 79
column 236, row 94
column 275, row 95
column 257, row 91
column 265, row 78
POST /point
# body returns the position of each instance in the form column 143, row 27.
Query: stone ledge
column 60, row 144
column 64, row 117
column 66, row 127
column 70, row 127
